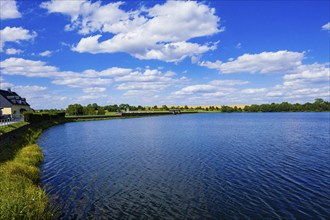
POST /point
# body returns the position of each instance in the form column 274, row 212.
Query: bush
column 39, row 117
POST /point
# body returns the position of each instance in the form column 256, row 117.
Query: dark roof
column 13, row 97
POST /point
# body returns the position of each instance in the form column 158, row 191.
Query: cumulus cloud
column 254, row 91
column 110, row 72
column 9, row 10
column 303, row 83
column 196, row 89
column 313, row 74
column 146, row 33
column 213, row 89
column 46, row 53
column 15, row 34
column 92, row 81
column 39, row 97
column 326, row 27
column 81, row 82
column 12, row 51
column 149, row 80
column 69, row 7
column 4, row 84
column 29, row 68
column 266, row 62
column 228, row 82
column 94, row 89
column 174, row 52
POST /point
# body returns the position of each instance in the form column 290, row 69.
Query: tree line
column 93, row 109
column 319, row 105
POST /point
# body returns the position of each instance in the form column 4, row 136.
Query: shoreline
column 21, row 195
column 20, row 162
column 19, row 140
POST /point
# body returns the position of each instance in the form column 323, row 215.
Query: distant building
column 13, row 105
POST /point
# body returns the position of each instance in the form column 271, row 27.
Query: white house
column 13, row 105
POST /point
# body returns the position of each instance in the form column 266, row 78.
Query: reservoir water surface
column 194, row 166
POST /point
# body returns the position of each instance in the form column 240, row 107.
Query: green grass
column 20, row 194
column 111, row 113
column 8, row 128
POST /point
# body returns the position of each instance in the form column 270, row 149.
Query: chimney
column 9, row 90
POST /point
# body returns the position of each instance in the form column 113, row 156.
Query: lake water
column 197, row 166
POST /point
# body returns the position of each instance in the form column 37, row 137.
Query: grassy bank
column 20, row 194
column 11, row 127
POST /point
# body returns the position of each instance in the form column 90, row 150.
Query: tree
column 89, row 109
column 75, row 109
column 318, row 101
column 101, row 111
column 164, row 107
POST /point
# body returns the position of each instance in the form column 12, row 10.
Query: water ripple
column 205, row 166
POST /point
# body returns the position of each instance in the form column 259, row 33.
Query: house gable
column 4, row 103
column 9, row 98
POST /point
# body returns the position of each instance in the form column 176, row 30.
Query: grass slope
column 20, row 194
column 8, row 128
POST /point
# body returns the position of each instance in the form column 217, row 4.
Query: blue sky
column 61, row 52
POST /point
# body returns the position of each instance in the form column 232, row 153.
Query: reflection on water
column 201, row 166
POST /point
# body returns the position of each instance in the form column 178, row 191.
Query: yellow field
column 219, row 106
column 206, row 106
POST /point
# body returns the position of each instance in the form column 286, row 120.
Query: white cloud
column 196, row 89
column 154, row 86
column 110, row 72
column 68, row 7
column 4, row 84
column 228, row 82
column 146, row 33
column 297, row 75
column 46, row 53
column 326, row 27
column 266, row 62
column 15, row 34
column 303, row 83
column 12, row 51
column 29, row 68
column 174, row 52
column 39, row 97
column 94, row 90
column 9, row 9
column 254, row 91
column 151, row 81
column 80, row 82
column 311, row 75
column 214, row 88
column 92, row 81
column 29, row 88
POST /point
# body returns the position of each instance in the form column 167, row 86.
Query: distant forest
column 319, row 105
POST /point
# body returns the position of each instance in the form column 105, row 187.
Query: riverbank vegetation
column 319, row 105
column 93, row 109
column 11, row 127
column 21, row 197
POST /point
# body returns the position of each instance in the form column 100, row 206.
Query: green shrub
column 32, row 117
